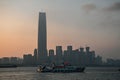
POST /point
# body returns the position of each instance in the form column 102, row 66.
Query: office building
column 42, row 39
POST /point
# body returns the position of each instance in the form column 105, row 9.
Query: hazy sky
column 94, row 23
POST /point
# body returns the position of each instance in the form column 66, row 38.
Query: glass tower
column 42, row 38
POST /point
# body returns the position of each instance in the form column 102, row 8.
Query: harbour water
column 29, row 73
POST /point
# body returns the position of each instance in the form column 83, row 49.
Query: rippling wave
column 29, row 73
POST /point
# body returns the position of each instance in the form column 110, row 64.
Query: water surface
column 29, row 73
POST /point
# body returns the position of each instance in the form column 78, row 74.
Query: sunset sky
column 94, row 23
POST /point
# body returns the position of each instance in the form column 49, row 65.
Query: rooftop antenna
column 42, row 11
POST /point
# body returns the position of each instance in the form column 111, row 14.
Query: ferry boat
column 60, row 69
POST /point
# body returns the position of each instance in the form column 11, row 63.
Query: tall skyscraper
column 42, row 38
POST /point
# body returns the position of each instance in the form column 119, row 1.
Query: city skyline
column 43, row 56
column 83, row 56
column 85, row 23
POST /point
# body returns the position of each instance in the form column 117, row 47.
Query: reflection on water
column 29, row 73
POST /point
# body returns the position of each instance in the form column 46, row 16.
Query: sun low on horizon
column 94, row 23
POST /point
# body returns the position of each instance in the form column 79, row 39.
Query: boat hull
column 69, row 70
column 62, row 70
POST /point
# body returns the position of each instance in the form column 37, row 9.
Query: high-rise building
column 51, row 56
column 81, row 49
column 87, row 49
column 35, row 57
column 42, row 38
column 58, row 51
column 69, row 48
column 51, row 52
column 59, row 55
column 28, row 59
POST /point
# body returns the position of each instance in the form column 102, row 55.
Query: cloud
column 113, row 7
column 89, row 7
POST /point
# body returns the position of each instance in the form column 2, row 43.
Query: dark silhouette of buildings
column 28, row 59
column 74, row 57
column 51, row 57
column 58, row 56
column 5, row 60
column 14, row 60
column 112, row 62
column 79, row 57
column 11, row 60
column 42, row 39
column 35, row 57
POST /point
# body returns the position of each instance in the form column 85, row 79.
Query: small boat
column 8, row 66
column 61, row 69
